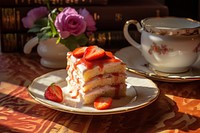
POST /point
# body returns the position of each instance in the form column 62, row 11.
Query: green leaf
column 53, row 14
column 46, row 28
column 72, row 47
column 54, row 11
column 44, row 36
column 42, row 22
column 73, row 42
column 34, row 30
column 69, row 42
column 53, row 29
column 82, row 40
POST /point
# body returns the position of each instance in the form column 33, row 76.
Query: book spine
column 14, row 42
column 25, row 3
column 11, row 19
column 112, row 39
column 106, row 17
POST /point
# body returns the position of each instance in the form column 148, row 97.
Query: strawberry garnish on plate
column 54, row 93
column 79, row 52
column 94, row 53
column 102, row 103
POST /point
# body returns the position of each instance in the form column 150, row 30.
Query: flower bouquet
column 71, row 27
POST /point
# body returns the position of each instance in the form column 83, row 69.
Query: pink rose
column 33, row 15
column 91, row 24
column 69, row 22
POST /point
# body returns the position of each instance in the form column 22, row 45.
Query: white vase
column 52, row 55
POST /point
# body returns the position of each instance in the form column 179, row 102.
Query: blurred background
column 110, row 16
column 183, row 8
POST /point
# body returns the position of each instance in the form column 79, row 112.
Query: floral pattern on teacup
column 160, row 49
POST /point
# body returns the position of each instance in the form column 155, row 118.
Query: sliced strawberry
column 79, row 52
column 93, row 53
column 109, row 54
column 54, row 93
column 101, row 103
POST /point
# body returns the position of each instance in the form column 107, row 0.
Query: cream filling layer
column 89, row 97
column 101, row 80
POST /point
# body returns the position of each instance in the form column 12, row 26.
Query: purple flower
column 33, row 15
column 91, row 24
column 69, row 22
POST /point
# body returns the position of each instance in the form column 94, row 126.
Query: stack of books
column 110, row 17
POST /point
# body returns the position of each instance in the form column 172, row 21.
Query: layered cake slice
column 93, row 72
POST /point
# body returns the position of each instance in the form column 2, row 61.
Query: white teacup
column 169, row 44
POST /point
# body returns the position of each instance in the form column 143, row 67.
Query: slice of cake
column 93, row 72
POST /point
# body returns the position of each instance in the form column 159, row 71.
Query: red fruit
column 94, row 53
column 79, row 52
column 101, row 103
column 54, row 93
column 109, row 54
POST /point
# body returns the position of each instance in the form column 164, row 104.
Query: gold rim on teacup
column 179, row 26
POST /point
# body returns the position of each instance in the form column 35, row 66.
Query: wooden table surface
column 176, row 110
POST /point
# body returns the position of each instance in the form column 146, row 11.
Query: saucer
column 137, row 64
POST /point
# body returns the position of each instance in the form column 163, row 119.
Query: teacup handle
column 127, row 35
column 30, row 44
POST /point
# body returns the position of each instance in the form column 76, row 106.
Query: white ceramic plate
column 140, row 93
column 137, row 64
